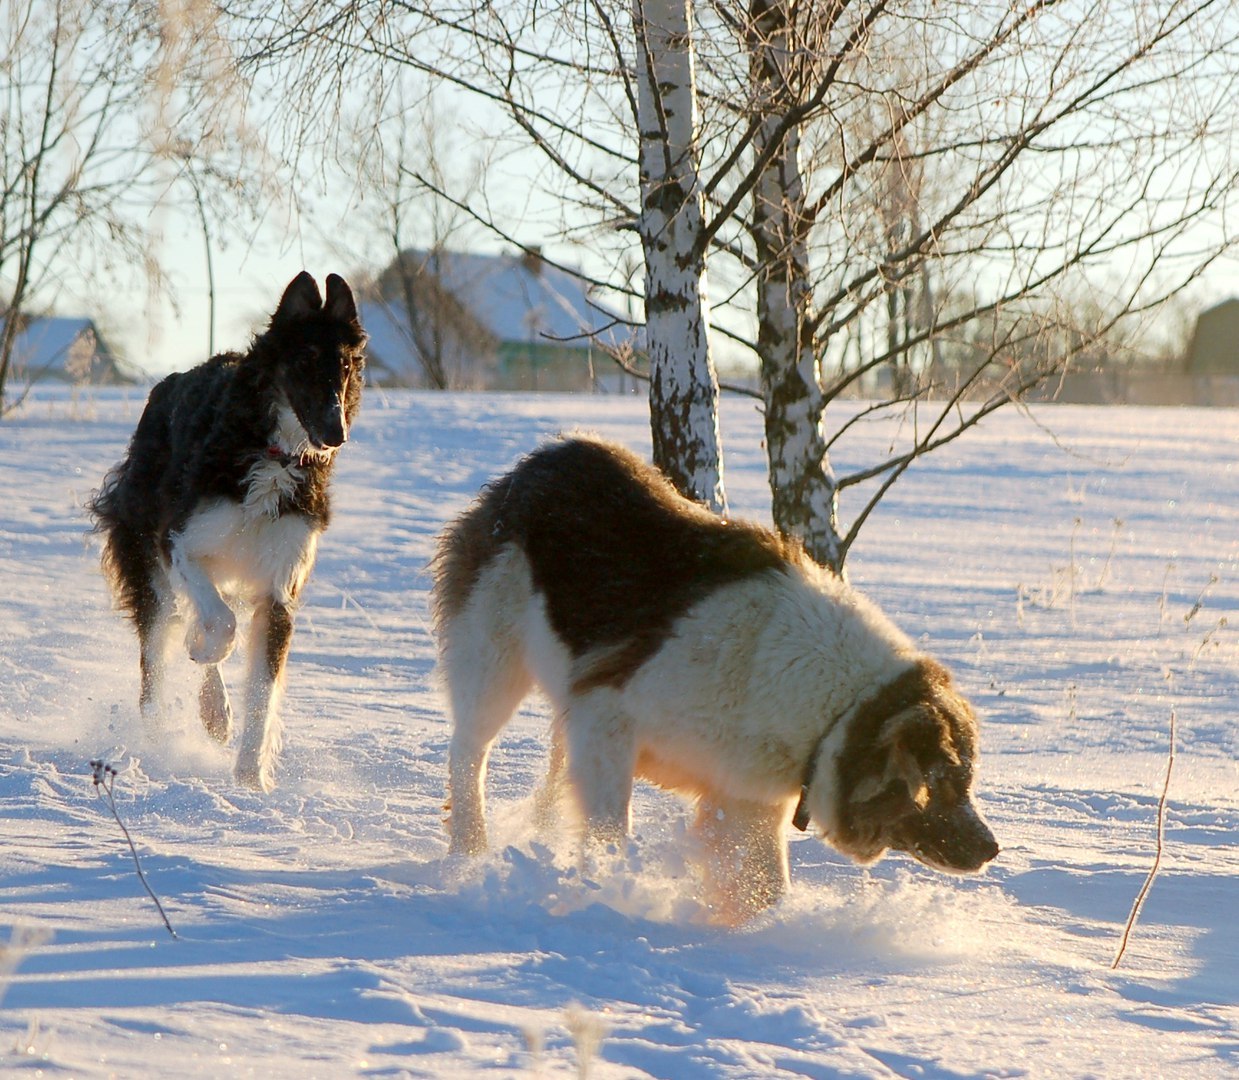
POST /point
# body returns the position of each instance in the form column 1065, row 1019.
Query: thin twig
column 1200, row 600
column 104, row 776
column 1218, row 628
column 1025, row 408
column 1157, row 859
column 1114, row 543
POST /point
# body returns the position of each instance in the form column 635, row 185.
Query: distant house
column 1215, row 343
column 63, row 350
column 507, row 322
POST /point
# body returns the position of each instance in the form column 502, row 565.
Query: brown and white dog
column 708, row 656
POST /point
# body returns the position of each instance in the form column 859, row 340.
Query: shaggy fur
column 705, row 655
column 220, row 501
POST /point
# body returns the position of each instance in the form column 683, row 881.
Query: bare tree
column 924, row 186
column 1018, row 157
column 782, row 56
column 103, row 115
column 671, row 224
column 61, row 106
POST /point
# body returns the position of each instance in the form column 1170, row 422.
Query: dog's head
column 903, row 773
column 316, row 357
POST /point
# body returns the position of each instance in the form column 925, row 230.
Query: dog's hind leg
column 483, row 700
column 153, row 606
column 271, row 634
column 487, row 675
column 601, row 758
column 746, row 855
column 213, row 705
column 140, row 580
column 155, row 622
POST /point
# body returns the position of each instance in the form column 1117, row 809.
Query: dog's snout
column 979, row 838
column 960, row 842
column 977, row 845
column 334, row 431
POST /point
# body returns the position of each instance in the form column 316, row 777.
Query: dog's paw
column 462, row 841
column 210, row 640
column 249, row 774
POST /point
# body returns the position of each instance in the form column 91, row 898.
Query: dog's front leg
column 746, row 856
column 270, row 636
column 212, row 625
column 601, row 757
column 546, row 798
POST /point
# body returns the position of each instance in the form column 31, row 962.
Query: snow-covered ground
column 1078, row 584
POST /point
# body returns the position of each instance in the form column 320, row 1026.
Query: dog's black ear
column 301, row 298
column 340, row 304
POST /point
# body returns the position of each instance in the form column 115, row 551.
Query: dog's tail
column 127, row 550
column 125, row 508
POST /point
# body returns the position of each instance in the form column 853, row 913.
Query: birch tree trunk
column 804, row 494
column 683, row 384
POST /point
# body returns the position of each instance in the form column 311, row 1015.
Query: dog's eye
column 949, row 786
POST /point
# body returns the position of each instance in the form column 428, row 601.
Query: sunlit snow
column 1079, row 574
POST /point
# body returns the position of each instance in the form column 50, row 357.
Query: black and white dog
column 708, row 656
column 223, row 494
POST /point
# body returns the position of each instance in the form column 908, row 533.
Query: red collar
column 275, row 452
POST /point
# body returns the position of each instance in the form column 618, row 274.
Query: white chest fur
column 249, row 553
column 268, row 484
